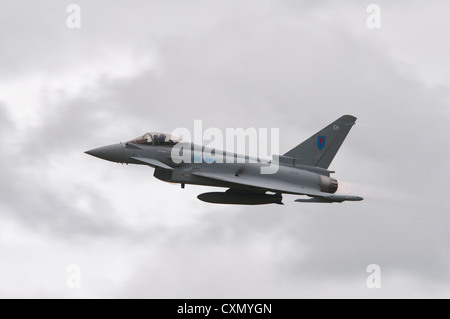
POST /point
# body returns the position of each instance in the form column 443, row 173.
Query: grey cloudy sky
column 140, row 66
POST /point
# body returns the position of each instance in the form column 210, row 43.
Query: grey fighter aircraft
column 301, row 171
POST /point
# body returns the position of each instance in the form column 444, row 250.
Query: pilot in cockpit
column 159, row 139
column 156, row 139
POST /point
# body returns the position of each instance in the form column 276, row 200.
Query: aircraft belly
column 288, row 180
column 185, row 177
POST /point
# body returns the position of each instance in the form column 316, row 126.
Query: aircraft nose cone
column 113, row 153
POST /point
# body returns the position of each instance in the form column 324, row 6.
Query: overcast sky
column 137, row 66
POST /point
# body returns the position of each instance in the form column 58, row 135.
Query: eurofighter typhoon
column 301, row 171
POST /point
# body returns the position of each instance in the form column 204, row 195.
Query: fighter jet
column 301, row 171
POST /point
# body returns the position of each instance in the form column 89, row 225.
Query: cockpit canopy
column 156, row 138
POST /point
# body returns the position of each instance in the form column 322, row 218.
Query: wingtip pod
column 330, row 199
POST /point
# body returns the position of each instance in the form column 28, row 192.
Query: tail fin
column 320, row 149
